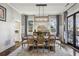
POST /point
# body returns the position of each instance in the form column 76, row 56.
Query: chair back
column 41, row 40
column 52, row 39
column 30, row 39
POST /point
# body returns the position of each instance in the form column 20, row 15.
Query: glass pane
column 77, row 30
column 65, row 31
column 53, row 28
column 70, row 29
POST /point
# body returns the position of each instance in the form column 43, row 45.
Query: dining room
column 38, row 29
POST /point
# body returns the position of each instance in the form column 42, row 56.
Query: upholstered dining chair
column 59, row 40
column 46, row 37
column 35, row 37
column 41, row 42
column 30, row 41
column 51, row 42
column 24, row 41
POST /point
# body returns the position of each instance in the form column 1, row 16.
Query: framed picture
column 2, row 13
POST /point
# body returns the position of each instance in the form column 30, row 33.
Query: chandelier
column 41, row 18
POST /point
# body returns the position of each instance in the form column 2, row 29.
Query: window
column 77, row 29
column 53, row 24
column 70, row 30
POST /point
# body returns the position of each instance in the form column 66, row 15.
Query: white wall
column 61, row 27
column 7, row 34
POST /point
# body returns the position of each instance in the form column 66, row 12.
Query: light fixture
column 41, row 18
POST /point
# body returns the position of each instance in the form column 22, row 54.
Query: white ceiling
column 32, row 9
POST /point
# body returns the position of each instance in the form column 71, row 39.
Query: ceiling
column 32, row 9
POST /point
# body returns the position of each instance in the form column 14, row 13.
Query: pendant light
column 41, row 17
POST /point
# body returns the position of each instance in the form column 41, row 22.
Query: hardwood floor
column 61, row 49
column 8, row 51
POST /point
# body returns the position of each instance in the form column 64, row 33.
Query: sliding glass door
column 70, row 30
column 77, row 30
column 73, row 30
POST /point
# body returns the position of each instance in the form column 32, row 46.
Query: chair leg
column 33, row 48
column 22, row 45
column 53, row 48
column 48, row 48
column 37, row 48
column 43, row 49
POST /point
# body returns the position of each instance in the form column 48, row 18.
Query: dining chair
column 51, row 42
column 41, row 42
column 59, row 40
column 30, row 41
column 46, row 37
column 35, row 37
column 24, row 41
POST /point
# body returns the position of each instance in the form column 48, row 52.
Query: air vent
column 41, row 4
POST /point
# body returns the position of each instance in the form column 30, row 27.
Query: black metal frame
column 74, row 29
column 4, row 11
